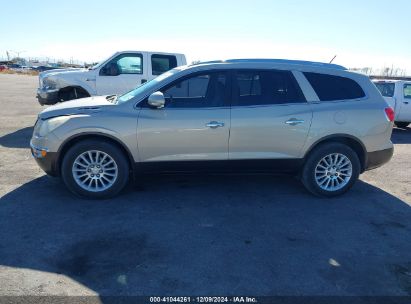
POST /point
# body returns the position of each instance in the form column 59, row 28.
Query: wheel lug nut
column 92, row 175
column 98, row 175
column 101, row 171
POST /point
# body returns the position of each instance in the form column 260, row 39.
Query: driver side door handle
column 214, row 124
column 294, row 122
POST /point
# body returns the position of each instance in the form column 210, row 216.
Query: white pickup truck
column 398, row 95
column 118, row 74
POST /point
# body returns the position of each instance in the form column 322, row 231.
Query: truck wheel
column 401, row 124
column 95, row 169
column 330, row 170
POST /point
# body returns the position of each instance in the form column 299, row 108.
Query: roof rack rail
column 286, row 61
column 279, row 61
column 205, row 62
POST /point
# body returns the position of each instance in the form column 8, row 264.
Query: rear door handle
column 143, row 81
column 294, row 122
column 214, row 124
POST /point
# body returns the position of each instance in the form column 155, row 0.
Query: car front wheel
column 331, row 170
column 95, row 169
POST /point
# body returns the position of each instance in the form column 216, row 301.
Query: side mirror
column 111, row 69
column 157, row 100
column 114, row 72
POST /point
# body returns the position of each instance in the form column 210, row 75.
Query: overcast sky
column 360, row 32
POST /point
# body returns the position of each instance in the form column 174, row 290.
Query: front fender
column 84, row 79
column 122, row 130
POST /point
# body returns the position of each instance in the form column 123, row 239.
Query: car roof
column 149, row 52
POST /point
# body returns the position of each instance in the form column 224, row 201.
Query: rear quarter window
column 331, row 87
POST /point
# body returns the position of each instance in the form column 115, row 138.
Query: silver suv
column 318, row 121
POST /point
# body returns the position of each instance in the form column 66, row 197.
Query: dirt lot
column 203, row 235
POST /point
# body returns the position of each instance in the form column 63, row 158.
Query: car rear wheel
column 95, row 169
column 331, row 170
column 401, row 124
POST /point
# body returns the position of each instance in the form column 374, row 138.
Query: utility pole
column 8, row 55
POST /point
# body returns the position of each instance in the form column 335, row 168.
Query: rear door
column 121, row 74
column 270, row 118
column 404, row 103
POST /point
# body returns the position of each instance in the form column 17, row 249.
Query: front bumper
column 46, row 160
column 378, row 158
column 47, row 97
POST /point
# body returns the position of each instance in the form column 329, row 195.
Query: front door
column 194, row 124
column 122, row 74
column 270, row 118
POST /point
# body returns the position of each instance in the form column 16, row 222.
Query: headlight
column 48, row 83
column 43, row 127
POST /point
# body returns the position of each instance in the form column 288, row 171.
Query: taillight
column 390, row 113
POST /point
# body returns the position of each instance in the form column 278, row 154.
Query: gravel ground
column 202, row 235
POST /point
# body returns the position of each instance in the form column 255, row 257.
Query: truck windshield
column 146, row 86
column 97, row 65
column 386, row 88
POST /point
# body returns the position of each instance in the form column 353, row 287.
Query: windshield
column 96, row 65
column 146, row 86
column 386, row 88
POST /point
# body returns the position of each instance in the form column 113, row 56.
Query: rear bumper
column 47, row 97
column 378, row 158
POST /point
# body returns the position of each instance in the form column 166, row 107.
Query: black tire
column 99, row 145
column 401, row 124
column 308, row 172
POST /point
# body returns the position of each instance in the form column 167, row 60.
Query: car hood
column 77, row 106
column 61, row 71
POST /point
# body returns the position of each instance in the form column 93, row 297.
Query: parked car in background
column 398, row 95
column 117, row 75
column 15, row 67
column 43, row 68
column 18, row 67
column 316, row 120
column 3, row 67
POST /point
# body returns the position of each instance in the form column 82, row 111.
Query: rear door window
column 407, row 90
column 254, row 87
column 386, row 88
column 162, row 63
column 330, row 87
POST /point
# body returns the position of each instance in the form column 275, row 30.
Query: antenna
column 333, row 59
